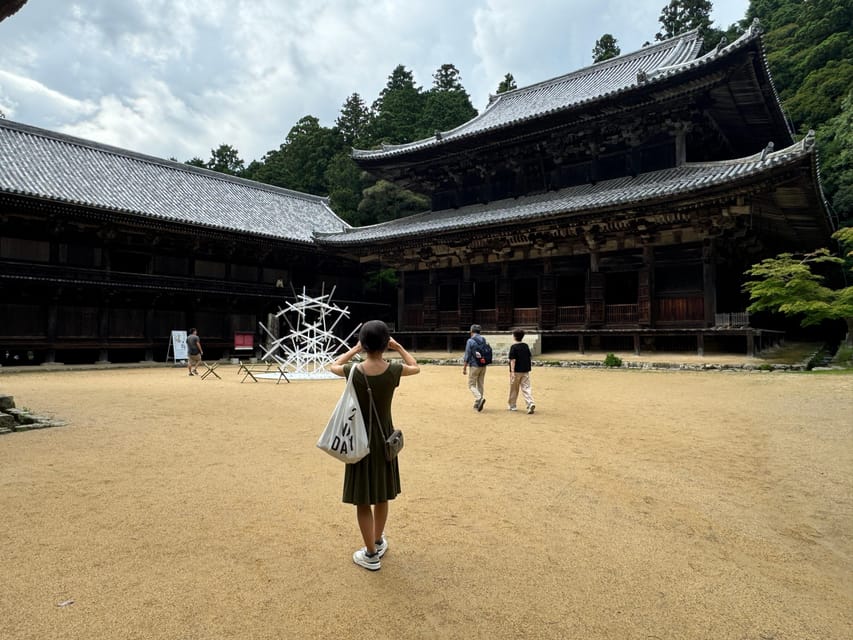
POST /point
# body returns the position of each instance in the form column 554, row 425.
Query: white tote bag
column 345, row 436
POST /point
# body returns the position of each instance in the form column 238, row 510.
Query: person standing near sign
column 195, row 351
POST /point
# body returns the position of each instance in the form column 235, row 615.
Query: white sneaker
column 512, row 408
column 381, row 546
column 531, row 408
column 371, row 563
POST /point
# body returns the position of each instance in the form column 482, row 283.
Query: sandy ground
column 632, row 504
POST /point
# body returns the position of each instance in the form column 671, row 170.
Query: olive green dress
column 373, row 479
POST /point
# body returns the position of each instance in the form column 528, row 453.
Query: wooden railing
column 413, row 316
column 620, row 314
column 680, row 309
column 526, row 317
column 448, row 319
column 486, row 317
column 571, row 315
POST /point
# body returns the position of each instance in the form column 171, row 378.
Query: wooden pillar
column 645, row 292
column 709, row 281
column 50, row 330
column 504, row 298
column 149, row 334
column 431, row 302
column 700, row 344
column 594, row 293
column 466, row 299
column 548, row 297
column 401, row 301
column 104, row 330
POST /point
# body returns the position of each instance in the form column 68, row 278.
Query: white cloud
column 178, row 78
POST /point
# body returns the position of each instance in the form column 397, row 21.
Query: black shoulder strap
column 373, row 410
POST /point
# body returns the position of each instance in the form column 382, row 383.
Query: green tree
column 605, row 48
column 225, row 159
column 680, row 16
column 447, row 105
column 835, row 140
column 300, row 163
column 447, row 78
column 196, row 162
column 398, row 109
column 346, row 182
column 507, row 84
column 386, row 201
column 809, row 50
column 788, row 284
column 354, row 122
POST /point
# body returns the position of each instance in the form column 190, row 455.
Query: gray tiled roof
column 599, row 81
column 690, row 179
column 52, row 166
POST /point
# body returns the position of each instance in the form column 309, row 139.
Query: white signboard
column 179, row 345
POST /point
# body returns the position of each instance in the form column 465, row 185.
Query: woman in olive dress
column 372, row 481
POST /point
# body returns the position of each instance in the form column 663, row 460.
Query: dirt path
column 633, row 504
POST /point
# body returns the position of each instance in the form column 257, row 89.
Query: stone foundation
column 13, row 419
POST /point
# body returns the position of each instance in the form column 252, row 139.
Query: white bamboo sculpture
column 311, row 345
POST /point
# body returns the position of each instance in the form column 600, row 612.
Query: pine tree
column 507, row 84
column 605, row 48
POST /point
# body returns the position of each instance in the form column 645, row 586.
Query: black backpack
column 483, row 352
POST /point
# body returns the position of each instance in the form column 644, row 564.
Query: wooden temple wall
column 77, row 298
column 658, row 289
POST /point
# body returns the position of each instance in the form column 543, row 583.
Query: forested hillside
column 809, row 48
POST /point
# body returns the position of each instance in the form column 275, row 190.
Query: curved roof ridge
column 610, row 62
column 747, row 36
column 173, row 165
column 560, row 92
column 684, row 180
column 768, row 154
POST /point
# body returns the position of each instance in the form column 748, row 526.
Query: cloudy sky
column 176, row 78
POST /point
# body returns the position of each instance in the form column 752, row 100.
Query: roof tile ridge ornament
column 753, row 32
column 755, row 27
column 766, row 154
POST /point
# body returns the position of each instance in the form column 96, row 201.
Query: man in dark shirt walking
column 520, row 364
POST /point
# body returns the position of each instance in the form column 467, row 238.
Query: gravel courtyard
column 632, row 504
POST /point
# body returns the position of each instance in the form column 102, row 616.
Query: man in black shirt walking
column 520, row 363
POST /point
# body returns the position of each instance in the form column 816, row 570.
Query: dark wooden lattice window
column 484, row 295
column 21, row 320
column 448, row 297
column 210, row 269
column 28, row 250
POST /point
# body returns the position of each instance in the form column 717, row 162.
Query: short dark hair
column 475, row 328
column 374, row 336
column 193, row 330
column 518, row 334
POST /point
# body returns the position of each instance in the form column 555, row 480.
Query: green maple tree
column 789, row 284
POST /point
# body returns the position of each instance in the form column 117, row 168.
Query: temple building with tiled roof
column 616, row 206
column 620, row 203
